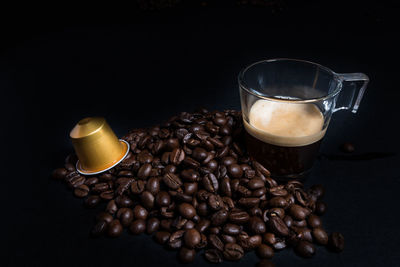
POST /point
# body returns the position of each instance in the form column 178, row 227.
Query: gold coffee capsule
column 97, row 147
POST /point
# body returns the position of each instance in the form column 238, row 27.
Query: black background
column 60, row 63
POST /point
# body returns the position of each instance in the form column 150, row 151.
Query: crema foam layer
column 284, row 123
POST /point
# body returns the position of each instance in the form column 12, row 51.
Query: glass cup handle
column 353, row 80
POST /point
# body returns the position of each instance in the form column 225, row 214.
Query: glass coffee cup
column 287, row 105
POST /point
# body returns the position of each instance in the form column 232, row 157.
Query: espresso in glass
column 284, row 136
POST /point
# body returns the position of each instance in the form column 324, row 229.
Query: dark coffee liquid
column 283, row 161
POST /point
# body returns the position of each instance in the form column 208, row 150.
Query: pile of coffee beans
column 191, row 185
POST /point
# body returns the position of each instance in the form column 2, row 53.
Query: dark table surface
column 138, row 68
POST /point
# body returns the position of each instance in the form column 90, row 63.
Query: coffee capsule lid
column 81, row 170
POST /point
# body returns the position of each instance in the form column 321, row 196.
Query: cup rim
column 243, row 86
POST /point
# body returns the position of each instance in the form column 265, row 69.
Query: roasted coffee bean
column 111, row 207
column 235, row 170
column 231, row 229
column 81, row 191
column 228, row 238
column 172, row 143
column 139, row 212
column 320, row 236
column 317, row 190
column 147, row 199
column 213, row 255
column 277, row 226
column 255, row 183
column 202, row 209
column 298, row 212
column 100, row 187
column 228, row 202
column 215, row 242
column 98, row 229
column 219, row 217
column 303, row 233
column 178, row 222
column 153, row 185
column 163, row 199
column 302, row 223
column 192, row 238
column 138, row 226
column 248, row 202
column 138, row 187
column 186, row 255
column 59, row 174
column 278, row 202
column 175, row 239
column 288, row 221
column 172, row 181
column 261, row 169
column 214, row 230
column 210, row 183
column 123, row 201
column 190, row 175
column 177, row 156
column 190, row 188
column 265, row 251
column 114, row 229
column 107, row 195
column 256, row 225
column 92, row 201
column 222, row 152
column 212, row 165
column 144, row 171
column 91, row 181
column 320, row 207
column 161, row 237
column 76, row 181
column 153, row 224
column 239, row 217
column 305, row 249
column 125, row 215
column 144, row 157
column 314, row 221
column 225, row 187
column 277, row 211
column 269, row 238
column 336, row 242
column 189, row 225
column 203, row 195
column 104, row 216
column 243, row 191
column 203, row 225
column 187, row 210
column 233, row 252
column 188, row 161
column 215, row 202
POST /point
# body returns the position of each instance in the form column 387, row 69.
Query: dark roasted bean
column 233, row 252
column 161, row 237
column 186, row 255
column 210, row 183
column 305, row 249
column 213, row 255
column 256, row 225
column 336, row 242
column 219, row 217
column 140, row 212
column 172, row 180
column 138, row 226
column 114, row 228
column 277, row 226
